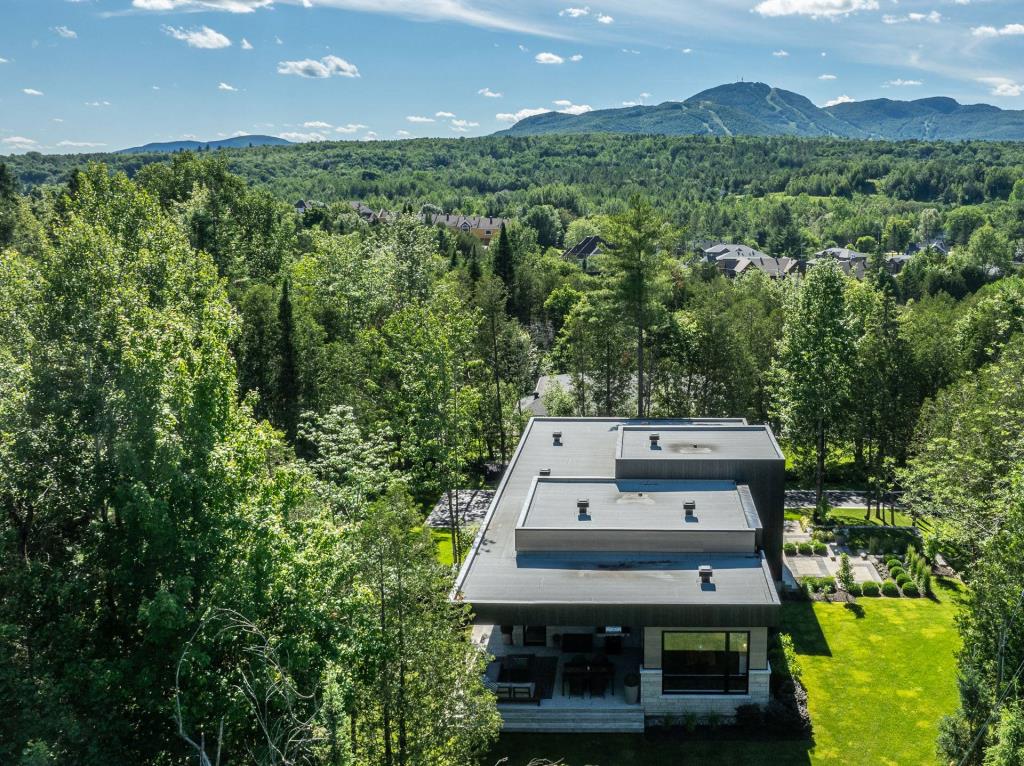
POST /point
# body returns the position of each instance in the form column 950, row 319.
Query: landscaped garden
column 879, row 673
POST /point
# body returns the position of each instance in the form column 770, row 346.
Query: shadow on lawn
column 713, row 749
column 856, row 609
column 799, row 620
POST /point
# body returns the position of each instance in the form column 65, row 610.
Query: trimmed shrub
column 893, row 563
column 869, row 588
column 926, row 584
column 820, row 549
column 896, row 571
column 910, row 590
column 806, row 549
column 903, row 580
column 789, row 549
column 853, row 588
column 891, row 589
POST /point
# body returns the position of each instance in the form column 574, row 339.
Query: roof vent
column 705, row 574
column 557, row 436
column 655, row 438
column 545, row 471
column 689, row 507
column 583, row 509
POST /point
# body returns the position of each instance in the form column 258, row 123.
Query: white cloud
column 488, row 93
column 633, row 51
column 687, row 50
column 1003, row 86
column 303, row 138
column 225, row 86
column 31, row 92
column 934, row 17
column 231, row 6
column 780, row 54
column 97, row 103
column 604, row 18
column 827, row 77
column 246, row 45
column 318, row 125
column 402, row 133
column 901, row 83
column 520, row 115
column 369, row 136
column 814, row 8
column 576, row 57
column 839, row 100
column 568, row 107
column 639, row 101
column 3, row 60
column 574, row 13
column 328, row 66
column 1007, row 30
column 65, row 32
column 461, row 126
column 548, row 58
column 351, row 127
column 523, row 48
column 19, row 143
column 418, row 118
column 204, row 37
column 444, row 114
column 80, row 144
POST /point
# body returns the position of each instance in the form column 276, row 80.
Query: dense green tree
column 814, row 366
column 417, row 695
column 138, row 494
column 545, row 221
column 286, row 389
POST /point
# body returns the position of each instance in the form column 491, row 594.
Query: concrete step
column 568, row 720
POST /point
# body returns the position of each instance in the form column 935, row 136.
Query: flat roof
column 495, row 573
column 704, row 442
column 620, row 504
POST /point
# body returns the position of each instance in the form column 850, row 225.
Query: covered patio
column 573, row 675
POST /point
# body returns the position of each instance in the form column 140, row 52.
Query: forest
column 222, row 423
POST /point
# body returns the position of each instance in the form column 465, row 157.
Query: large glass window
column 695, row 662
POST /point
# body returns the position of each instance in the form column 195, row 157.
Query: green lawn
column 443, row 544
column 879, row 677
column 855, row 516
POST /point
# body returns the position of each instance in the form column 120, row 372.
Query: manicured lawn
column 443, row 544
column 854, row 516
column 879, row 676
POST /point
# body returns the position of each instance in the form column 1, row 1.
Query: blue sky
column 97, row 75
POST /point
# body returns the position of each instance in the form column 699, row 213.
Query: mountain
column 756, row 109
column 236, row 142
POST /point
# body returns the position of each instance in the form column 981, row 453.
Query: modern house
column 583, row 251
column 626, row 570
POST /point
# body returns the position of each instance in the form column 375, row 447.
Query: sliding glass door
column 704, row 662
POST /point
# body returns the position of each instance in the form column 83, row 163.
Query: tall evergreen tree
column 504, row 265
column 287, row 366
column 639, row 275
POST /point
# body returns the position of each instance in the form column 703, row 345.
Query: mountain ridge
column 758, row 109
column 235, row 142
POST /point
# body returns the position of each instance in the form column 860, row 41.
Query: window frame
column 726, row 677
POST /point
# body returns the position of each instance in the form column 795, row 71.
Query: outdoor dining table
column 584, row 669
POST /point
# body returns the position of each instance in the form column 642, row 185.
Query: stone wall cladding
column 656, row 704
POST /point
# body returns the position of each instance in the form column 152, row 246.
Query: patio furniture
column 576, row 643
column 598, row 684
column 521, row 693
column 516, row 669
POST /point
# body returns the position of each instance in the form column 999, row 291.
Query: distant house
column 370, row 215
column 852, row 263
column 733, row 260
column 584, row 250
column 533, row 404
column 895, row 263
column 483, row 227
column 939, row 244
column 302, row 207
